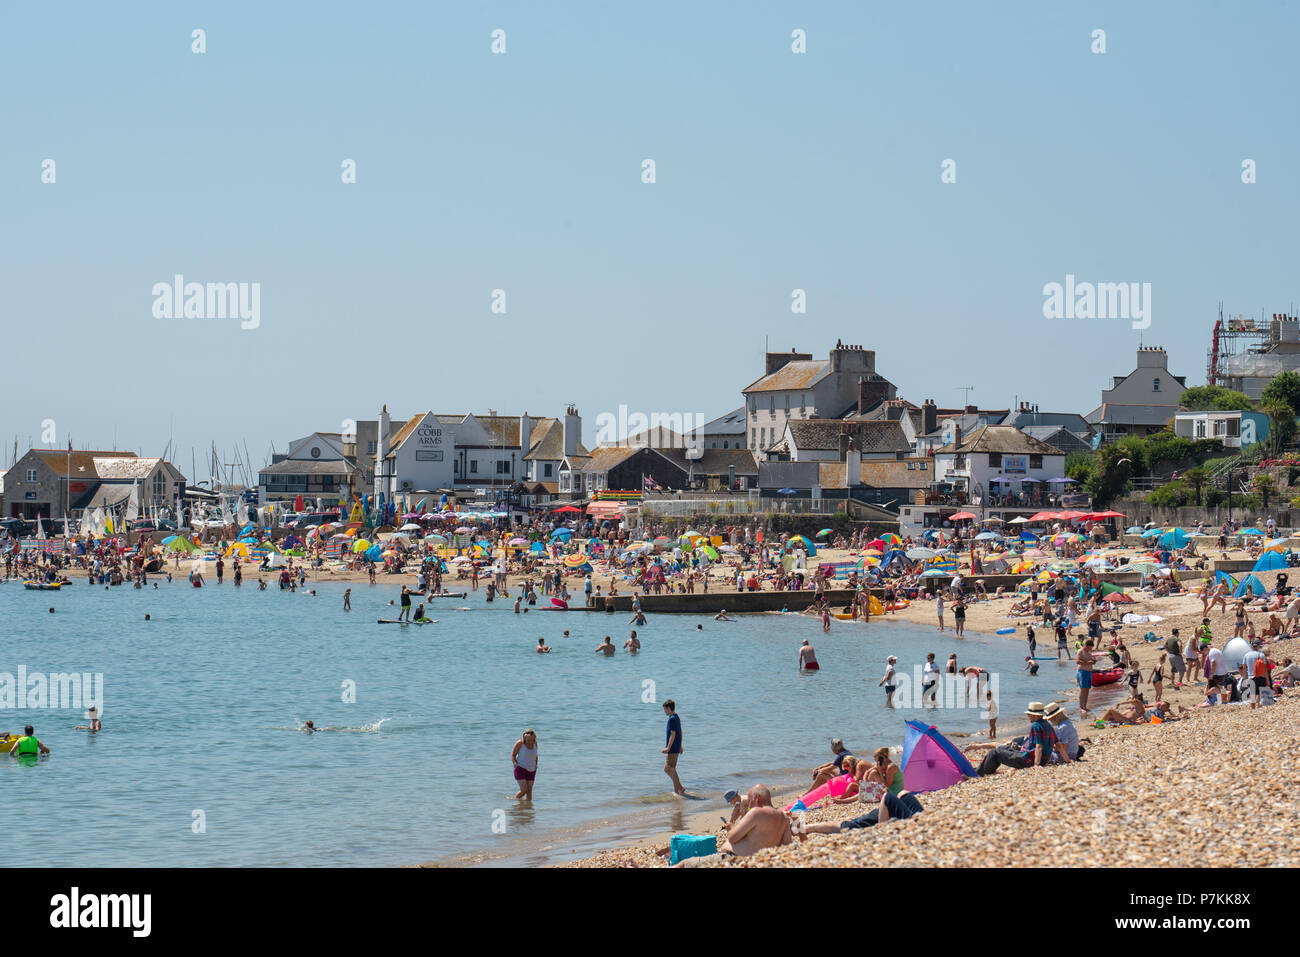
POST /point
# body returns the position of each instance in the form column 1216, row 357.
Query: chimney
column 929, row 417
column 844, row 444
column 525, row 433
column 956, row 435
column 852, row 465
column 571, row 430
column 872, row 390
column 381, row 447
column 971, row 409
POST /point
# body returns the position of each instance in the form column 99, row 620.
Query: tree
column 1264, row 486
column 1282, row 426
column 1203, row 398
column 1196, row 478
column 1284, row 388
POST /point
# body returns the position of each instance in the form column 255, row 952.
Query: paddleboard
column 394, row 621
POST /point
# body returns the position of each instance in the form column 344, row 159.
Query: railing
column 738, row 505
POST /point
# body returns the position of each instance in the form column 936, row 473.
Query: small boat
column 1107, row 677
column 42, row 586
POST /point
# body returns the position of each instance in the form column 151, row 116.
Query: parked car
column 18, row 527
column 308, row 519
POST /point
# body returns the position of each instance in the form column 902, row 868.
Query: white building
column 997, row 458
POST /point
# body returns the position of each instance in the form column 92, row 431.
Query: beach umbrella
column 1174, row 538
column 877, row 543
column 558, row 533
column 986, row 536
column 1250, row 531
column 920, row 554
column 1134, row 530
column 803, row 540
column 1021, row 567
column 1152, row 533
column 708, row 550
column 891, row 539
column 410, row 527
column 1028, row 537
column 360, row 545
column 934, row 573
column 962, row 516
column 786, row 491
column 1145, row 568
column 823, row 533
column 181, row 544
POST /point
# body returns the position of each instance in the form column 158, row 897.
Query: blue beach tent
column 1270, row 561
column 1250, row 585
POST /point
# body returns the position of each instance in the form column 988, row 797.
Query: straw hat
column 1052, row 710
column 1035, row 709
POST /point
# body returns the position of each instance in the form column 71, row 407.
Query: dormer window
column 1155, row 384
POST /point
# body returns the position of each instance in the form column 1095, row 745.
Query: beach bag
column 692, row 845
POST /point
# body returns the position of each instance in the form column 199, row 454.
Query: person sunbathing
column 900, row 807
column 1139, row 713
column 762, row 826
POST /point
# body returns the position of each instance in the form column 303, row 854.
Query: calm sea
column 202, row 761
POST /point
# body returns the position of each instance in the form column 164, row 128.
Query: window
column 473, row 465
column 1155, row 384
column 911, row 466
column 547, row 471
column 1035, row 461
column 995, row 460
column 925, row 466
column 31, row 475
column 753, row 438
column 455, row 466
column 1200, row 429
column 503, row 467
column 159, row 485
column 372, row 447
column 1234, row 427
column 787, row 403
column 1220, row 428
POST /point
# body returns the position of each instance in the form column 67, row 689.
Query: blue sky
column 521, row 172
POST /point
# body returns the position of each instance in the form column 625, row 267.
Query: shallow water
column 202, row 709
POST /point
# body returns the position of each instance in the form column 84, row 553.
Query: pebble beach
column 1145, row 795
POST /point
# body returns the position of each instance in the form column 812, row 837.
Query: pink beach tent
column 930, row 761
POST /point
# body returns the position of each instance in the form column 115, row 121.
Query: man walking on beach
column 889, row 681
column 673, row 749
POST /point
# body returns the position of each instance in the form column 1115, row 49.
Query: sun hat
column 730, row 795
column 1035, row 709
column 1052, row 710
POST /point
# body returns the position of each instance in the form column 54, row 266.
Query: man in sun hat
column 739, row 804
column 1067, row 735
column 1037, row 748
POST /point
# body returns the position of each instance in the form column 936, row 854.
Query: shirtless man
column 722, row 616
column 633, row 644
column 762, row 826
column 607, row 647
column 542, row 647
column 1084, row 660
column 808, row 657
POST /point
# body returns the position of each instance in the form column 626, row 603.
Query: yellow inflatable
column 875, row 606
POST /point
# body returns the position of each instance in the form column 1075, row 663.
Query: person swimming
column 95, row 724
